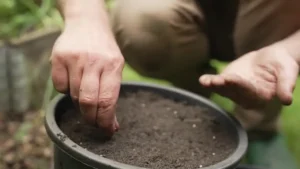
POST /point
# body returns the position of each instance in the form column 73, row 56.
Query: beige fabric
column 165, row 39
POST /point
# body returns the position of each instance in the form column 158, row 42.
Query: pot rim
column 93, row 160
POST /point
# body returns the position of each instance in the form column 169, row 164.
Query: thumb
column 286, row 81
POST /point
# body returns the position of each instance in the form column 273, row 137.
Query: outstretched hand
column 256, row 78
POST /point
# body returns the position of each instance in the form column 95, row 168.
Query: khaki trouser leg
column 163, row 39
column 259, row 24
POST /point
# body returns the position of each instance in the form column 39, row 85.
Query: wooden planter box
column 30, row 57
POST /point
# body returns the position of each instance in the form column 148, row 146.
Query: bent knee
column 151, row 33
column 142, row 31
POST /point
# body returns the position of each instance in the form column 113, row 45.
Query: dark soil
column 156, row 133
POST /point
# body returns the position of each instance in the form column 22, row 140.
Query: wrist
column 79, row 14
column 291, row 45
column 78, row 11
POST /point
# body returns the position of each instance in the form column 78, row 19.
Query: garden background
column 31, row 26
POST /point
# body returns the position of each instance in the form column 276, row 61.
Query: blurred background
column 28, row 29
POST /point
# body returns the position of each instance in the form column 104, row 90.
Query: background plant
column 18, row 17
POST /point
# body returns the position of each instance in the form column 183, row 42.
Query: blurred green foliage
column 21, row 16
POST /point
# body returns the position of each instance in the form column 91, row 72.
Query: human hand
column 256, row 78
column 87, row 64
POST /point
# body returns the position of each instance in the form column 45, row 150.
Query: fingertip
column 205, row 80
column 286, row 97
column 107, row 124
column 117, row 125
column 287, row 100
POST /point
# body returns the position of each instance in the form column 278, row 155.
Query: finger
column 117, row 125
column 88, row 93
column 59, row 75
column 75, row 70
column 108, row 94
column 217, row 80
column 286, row 82
column 205, row 80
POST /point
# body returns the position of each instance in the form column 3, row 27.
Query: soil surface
column 155, row 133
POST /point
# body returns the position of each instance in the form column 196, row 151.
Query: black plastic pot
column 69, row 155
column 249, row 167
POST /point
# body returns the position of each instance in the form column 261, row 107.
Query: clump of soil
column 156, row 133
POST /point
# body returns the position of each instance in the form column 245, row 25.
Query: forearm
column 79, row 12
column 292, row 45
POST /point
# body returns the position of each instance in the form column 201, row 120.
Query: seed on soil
column 200, row 166
column 214, row 137
column 213, row 154
column 175, row 112
column 143, row 105
column 194, row 126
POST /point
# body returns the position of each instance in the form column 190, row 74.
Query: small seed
column 214, row 137
column 155, row 128
column 213, row 154
column 194, row 126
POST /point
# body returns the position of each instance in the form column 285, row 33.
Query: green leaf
column 6, row 8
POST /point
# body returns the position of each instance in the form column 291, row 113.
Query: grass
column 289, row 117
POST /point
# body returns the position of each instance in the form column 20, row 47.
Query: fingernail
column 116, row 126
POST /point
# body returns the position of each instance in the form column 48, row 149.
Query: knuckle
column 75, row 97
column 115, row 63
column 295, row 65
column 269, row 95
column 106, row 103
column 87, row 101
column 91, row 59
column 59, row 84
column 60, row 89
column 73, row 55
column 65, row 54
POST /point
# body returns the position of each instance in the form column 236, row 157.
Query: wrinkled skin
column 256, row 78
column 88, row 65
